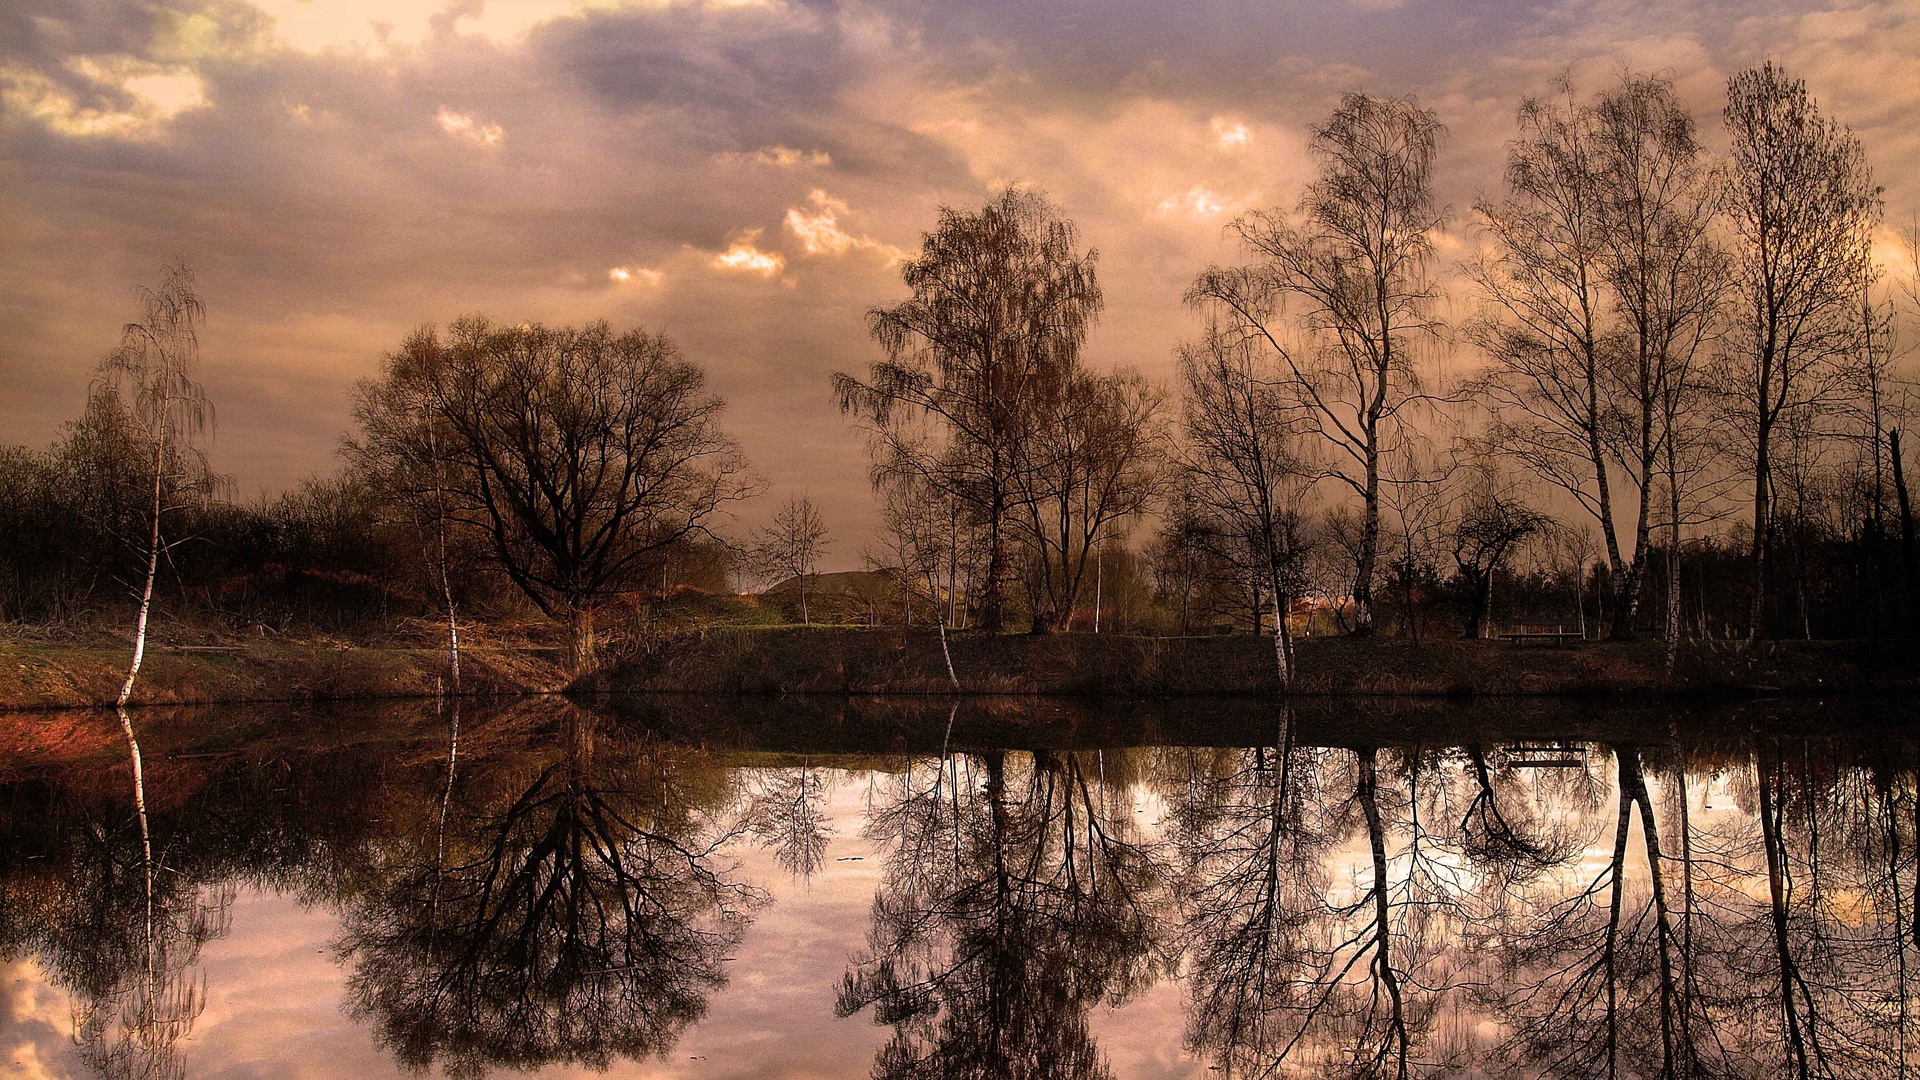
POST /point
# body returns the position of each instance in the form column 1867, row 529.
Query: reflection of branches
column 1253, row 865
column 1602, row 982
column 788, row 811
column 1002, row 918
column 116, row 926
column 584, row 920
column 1290, row 969
column 1501, row 835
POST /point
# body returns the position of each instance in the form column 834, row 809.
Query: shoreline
column 887, row 662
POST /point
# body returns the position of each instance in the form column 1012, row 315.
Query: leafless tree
column 1002, row 302
column 1803, row 206
column 1354, row 259
column 792, row 545
column 924, row 531
column 401, row 452
column 1095, row 461
column 1242, row 464
column 1492, row 522
column 581, row 454
column 153, row 373
column 1669, row 280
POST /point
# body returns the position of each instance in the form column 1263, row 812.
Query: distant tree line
column 1674, row 406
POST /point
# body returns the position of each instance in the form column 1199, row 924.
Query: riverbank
column 887, row 661
column 840, row 661
column 36, row 677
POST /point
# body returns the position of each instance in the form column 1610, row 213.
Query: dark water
column 1000, row 889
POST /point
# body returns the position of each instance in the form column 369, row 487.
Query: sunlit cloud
column 1231, row 134
column 635, row 275
column 462, row 126
column 818, row 229
column 146, row 96
column 781, row 157
column 743, row 255
column 1200, row 201
column 384, row 26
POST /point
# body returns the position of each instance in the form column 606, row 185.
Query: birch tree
column 1002, row 301
column 1803, row 205
column 1353, row 262
column 1243, row 467
column 153, row 373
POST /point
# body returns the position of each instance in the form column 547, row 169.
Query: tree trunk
column 581, row 648
column 1908, row 562
column 1282, row 634
column 992, row 619
column 1673, row 586
column 1762, row 479
column 1369, row 551
column 146, row 592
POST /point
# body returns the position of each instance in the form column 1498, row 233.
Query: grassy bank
column 888, row 661
column 54, row 677
column 839, row 661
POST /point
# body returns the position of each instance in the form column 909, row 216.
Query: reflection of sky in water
column 274, row 992
column 277, row 991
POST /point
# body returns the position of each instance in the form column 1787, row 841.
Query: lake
column 710, row 887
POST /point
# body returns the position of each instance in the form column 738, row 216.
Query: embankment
column 51, row 677
column 889, row 661
column 838, row 661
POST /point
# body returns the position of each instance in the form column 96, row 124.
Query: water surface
column 655, row 887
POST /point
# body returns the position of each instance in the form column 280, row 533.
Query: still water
column 712, row 888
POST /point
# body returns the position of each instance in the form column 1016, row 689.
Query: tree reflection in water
column 1321, row 909
column 537, row 888
column 575, row 917
column 1014, row 900
column 85, row 887
column 787, row 810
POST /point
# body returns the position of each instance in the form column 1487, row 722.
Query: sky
column 744, row 175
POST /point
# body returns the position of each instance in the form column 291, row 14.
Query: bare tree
column 1355, row 260
column 153, row 373
column 1242, row 464
column 1545, row 284
column 1491, row 523
column 923, row 531
column 579, row 453
column 401, row 453
column 791, row 547
column 1803, row 206
column 1002, row 302
column 1669, row 280
column 1094, row 462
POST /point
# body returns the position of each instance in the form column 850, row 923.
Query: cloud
column 462, row 126
column 635, row 275
column 781, row 157
column 742, row 256
column 1230, row 134
column 1202, row 201
column 392, row 27
column 819, row 232
column 135, row 98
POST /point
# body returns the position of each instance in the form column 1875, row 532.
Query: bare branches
column 1355, row 262
column 579, row 453
column 1002, row 302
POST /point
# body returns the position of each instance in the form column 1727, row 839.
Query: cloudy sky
column 742, row 174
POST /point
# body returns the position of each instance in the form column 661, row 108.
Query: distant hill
column 861, row 597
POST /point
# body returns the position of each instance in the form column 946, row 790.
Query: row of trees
column 1657, row 332
column 1660, row 335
